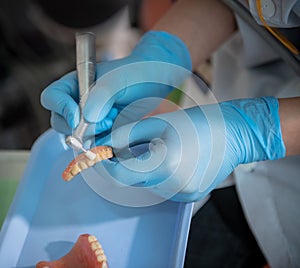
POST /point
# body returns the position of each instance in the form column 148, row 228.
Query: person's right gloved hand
column 191, row 151
column 142, row 74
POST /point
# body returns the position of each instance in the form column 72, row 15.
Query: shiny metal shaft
column 86, row 72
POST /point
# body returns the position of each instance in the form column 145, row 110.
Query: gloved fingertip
column 59, row 124
column 73, row 119
column 113, row 113
column 104, row 125
column 46, row 96
column 91, row 115
column 94, row 115
column 107, row 124
column 76, row 118
column 96, row 108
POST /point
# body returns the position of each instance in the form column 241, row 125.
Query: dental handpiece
column 86, row 72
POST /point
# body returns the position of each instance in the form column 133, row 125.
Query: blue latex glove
column 191, row 151
column 119, row 83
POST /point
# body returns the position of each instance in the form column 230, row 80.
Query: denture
column 86, row 253
column 82, row 162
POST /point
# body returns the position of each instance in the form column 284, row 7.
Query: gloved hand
column 119, row 83
column 191, row 151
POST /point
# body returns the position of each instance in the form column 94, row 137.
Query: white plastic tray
column 48, row 214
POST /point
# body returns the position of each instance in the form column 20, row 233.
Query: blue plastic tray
column 48, row 214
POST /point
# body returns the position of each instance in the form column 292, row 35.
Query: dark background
column 30, row 59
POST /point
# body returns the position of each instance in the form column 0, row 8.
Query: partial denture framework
column 82, row 162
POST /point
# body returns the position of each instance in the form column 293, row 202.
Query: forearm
column 289, row 112
column 203, row 25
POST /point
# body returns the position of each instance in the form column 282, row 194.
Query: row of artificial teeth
column 98, row 250
column 86, row 163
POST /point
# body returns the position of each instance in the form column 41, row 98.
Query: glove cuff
column 276, row 148
column 165, row 47
column 259, row 136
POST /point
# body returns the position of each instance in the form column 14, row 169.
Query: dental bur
column 86, row 72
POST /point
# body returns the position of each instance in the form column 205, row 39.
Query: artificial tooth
column 75, row 169
column 90, row 162
column 100, row 155
column 83, row 165
column 92, row 238
column 95, row 245
column 101, row 258
column 99, row 251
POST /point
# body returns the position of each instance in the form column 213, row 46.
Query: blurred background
column 37, row 47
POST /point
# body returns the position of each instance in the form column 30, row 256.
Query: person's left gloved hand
column 191, row 151
column 157, row 64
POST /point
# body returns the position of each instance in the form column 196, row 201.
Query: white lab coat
column 269, row 191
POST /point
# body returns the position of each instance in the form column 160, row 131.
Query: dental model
column 82, row 162
column 86, row 253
